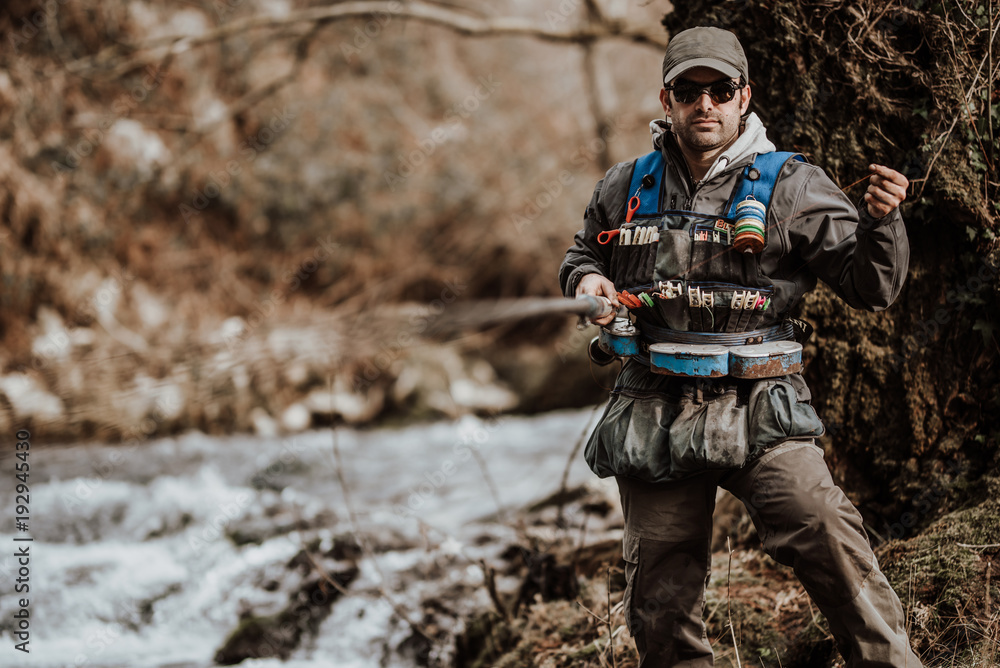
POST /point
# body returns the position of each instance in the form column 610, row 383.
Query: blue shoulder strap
column 650, row 164
column 767, row 166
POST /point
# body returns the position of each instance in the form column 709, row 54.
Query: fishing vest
column 691, row 287
column 692, row 280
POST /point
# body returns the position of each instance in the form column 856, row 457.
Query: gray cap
column 704, row 47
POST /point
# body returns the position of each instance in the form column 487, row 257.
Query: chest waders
column 693, row 284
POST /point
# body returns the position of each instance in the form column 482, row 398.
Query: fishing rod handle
column 598, row 306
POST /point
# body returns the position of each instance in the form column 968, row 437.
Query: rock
column 53, row 344
column 296, row 418
column 169, row 401
column 136, row 150
column 296, row 373
column 230, row 332
column 82, row 337
column 280, row 634
column 355, row 408
column 148, row 397
column 479, row 389
column 152, row 312
column 29, row 399
column 263, row 424
column 439, row 378
column 480, row 396
column 52, row 347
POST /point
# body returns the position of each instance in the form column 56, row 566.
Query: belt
column 783, row 331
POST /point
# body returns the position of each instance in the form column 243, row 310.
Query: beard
column 708, row 138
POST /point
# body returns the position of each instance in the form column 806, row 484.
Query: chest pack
column 699, row 304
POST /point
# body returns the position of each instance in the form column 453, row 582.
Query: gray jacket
column 660, row 428
column 814, row 229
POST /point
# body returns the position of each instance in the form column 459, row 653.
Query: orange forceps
column 604, row 238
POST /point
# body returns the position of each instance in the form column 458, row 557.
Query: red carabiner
column 633, row 204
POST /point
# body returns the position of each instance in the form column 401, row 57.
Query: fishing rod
column 477, row 315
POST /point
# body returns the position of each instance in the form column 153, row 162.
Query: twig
column 812, row 617
column 591, row 612
column 611, row 631
column 989, row 601
column 362, row 542
column 323, row 574
column 569, row 464
column 491, row 484
column 979, row 547
column 421, row 12
column 966, row 101
column 343, row 592
column 882, row 134
column 909, row 602
column 871, row 24
column 989, row 82
column 491, row 587
column 930, row 166
column 594, row 102
column 975, row 130
column 583, row 537
column 729, row 610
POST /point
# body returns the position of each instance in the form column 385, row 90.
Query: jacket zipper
column 690, row 199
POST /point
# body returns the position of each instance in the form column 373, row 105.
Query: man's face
column 704, row 125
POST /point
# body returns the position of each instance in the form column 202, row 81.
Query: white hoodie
column 752, row 141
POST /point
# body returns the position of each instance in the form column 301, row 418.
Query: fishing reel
column 617, row 339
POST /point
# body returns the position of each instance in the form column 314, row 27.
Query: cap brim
column 711, row 63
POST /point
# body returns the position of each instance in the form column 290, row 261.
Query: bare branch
column 111, row 58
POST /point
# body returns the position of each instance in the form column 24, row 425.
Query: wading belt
column 781, row 332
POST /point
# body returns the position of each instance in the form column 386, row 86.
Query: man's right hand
column 597, row 285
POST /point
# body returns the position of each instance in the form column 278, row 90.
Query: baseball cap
column 704, row 47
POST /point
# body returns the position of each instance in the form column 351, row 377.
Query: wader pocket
column 655, row 439
column 717, row 261
column 632, row 264
column 710, row 434
column 673, row 255
column 631, row 439
column 776, row 414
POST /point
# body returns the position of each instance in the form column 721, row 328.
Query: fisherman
column 715, row 237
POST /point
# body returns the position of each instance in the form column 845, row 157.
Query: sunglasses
column 687, row 92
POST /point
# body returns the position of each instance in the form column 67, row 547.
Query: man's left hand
column 886, row 190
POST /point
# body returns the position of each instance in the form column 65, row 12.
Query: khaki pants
column 804, row 521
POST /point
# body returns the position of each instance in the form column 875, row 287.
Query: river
column 149, row 555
